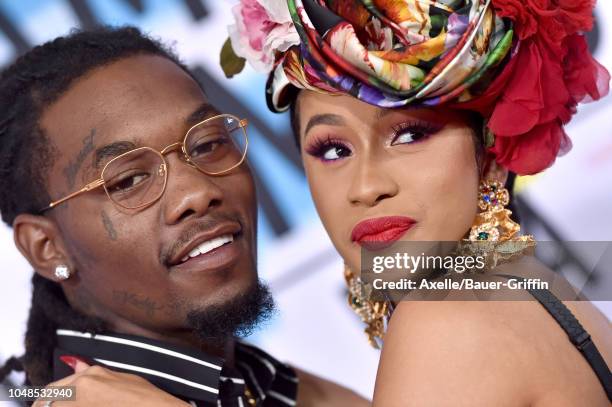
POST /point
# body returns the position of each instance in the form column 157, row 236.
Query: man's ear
column 39, row 241
column 493, row 171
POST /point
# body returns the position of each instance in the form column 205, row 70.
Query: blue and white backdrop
column 314, row 329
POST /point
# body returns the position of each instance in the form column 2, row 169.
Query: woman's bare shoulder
column 475, row 350
column 481, row 353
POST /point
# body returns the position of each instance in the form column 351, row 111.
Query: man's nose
column 189, row 191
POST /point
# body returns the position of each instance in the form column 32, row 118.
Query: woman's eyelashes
column 328, row 149
column 412, row 132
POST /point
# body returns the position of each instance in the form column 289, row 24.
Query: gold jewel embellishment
column 494, row 235
column 373, row 313
column 251, row 400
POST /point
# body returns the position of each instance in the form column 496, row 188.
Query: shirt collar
column 186, row 373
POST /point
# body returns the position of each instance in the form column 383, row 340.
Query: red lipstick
column 386, row 229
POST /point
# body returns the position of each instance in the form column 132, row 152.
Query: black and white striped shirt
column 194, row 376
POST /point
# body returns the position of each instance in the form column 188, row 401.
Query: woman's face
column 382, row 175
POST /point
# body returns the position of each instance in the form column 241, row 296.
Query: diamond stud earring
column 62, row 272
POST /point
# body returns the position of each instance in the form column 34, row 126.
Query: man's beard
column 237, row 317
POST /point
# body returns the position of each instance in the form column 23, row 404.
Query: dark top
column 196, row 377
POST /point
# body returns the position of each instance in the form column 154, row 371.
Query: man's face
column 127, row 263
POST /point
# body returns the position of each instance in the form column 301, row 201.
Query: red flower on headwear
column 549, row 74
column 553, row 19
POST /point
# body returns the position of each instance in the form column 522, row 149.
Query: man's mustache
column 187, row 235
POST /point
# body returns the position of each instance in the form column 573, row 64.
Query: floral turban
column 523, row 65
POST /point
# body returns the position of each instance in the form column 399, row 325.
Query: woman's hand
column 97, row 386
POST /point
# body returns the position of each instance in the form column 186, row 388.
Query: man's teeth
column 208, row 246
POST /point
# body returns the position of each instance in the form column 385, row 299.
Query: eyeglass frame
column 93, row 185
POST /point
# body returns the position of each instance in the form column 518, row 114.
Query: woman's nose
column 370, row 183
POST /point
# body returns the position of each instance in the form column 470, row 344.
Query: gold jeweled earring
column 493, row 223
column 374, row 313
column 493, row 233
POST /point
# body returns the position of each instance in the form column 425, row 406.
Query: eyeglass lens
column 139, row 177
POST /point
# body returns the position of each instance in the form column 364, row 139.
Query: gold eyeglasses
column 138, row 178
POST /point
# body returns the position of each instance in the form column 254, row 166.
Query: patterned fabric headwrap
column 523, row 65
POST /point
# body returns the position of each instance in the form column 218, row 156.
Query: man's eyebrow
column 117, row 148
column 112, row 150
column 327, row 118
column 204, row 111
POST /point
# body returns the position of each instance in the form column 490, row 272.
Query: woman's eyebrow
column 416, row 111
column 326, row 118
column 383, row 112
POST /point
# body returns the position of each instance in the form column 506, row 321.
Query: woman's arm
column 98, row 386
column 314, row 391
